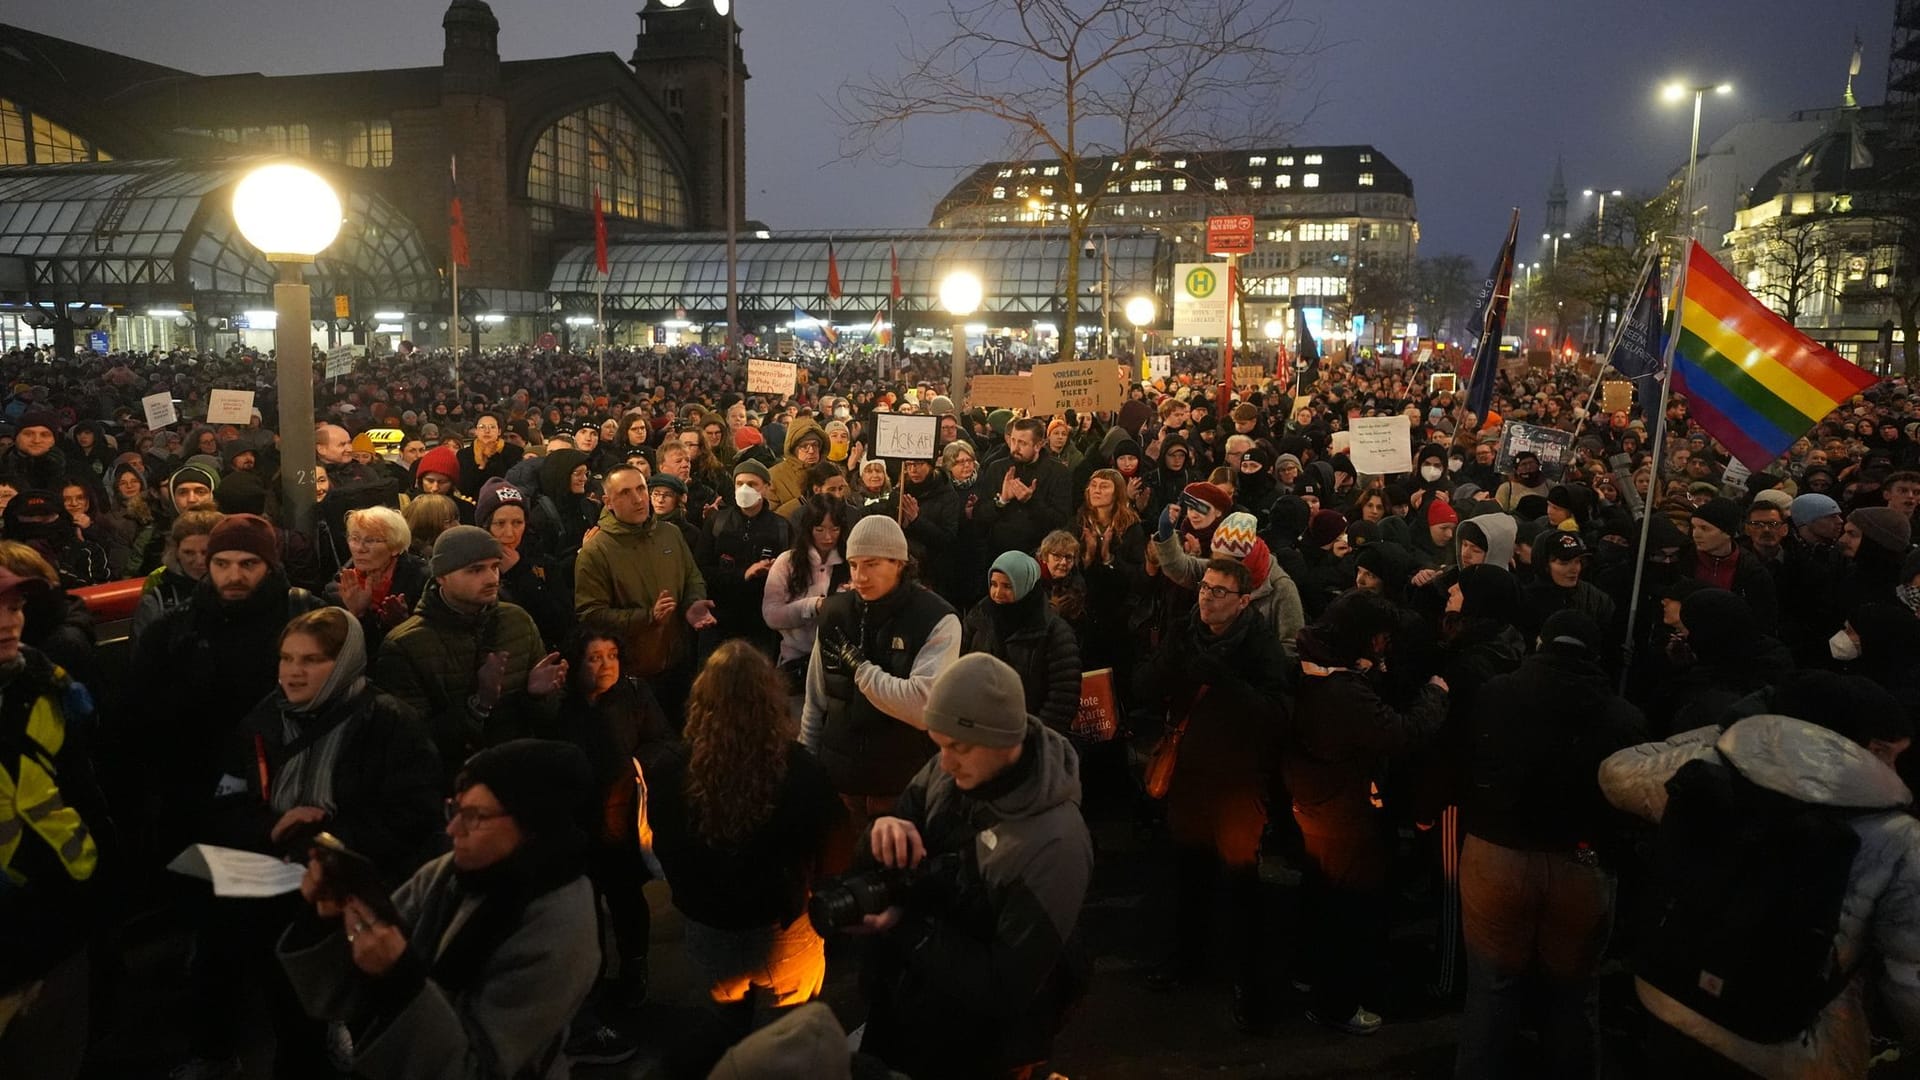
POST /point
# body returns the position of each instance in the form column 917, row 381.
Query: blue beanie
column 1020, row 569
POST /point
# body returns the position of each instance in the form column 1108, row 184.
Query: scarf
column 306, row 779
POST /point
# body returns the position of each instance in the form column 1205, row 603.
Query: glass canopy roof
column 160, row 232
column 1024, row 272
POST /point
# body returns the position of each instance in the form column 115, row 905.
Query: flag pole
column 455, row 335
column 1653, row 478
column 1619, row 334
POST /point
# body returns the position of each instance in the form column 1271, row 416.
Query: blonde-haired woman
column 744, row 820
column 384, row 580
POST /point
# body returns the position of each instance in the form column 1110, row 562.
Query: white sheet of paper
column 229, row 406
column 908, row 438
column 238, row 873
column 1381, row 445
column 160, row 411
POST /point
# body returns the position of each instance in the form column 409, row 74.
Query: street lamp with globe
column 960, row 294
column 291, row 214
column 1140, row 311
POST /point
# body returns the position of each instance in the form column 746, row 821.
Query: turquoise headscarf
column 1020, row 569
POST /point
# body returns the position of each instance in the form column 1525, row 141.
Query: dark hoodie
column 560, row 517
column 1733, row 660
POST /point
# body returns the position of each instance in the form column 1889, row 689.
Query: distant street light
column 291, row 214
column 960, row 294
column 1140, row 311
column 1274, row 329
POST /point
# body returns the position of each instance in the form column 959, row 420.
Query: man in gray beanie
column 879, row 645
column 428, row 661
column 1003, row 798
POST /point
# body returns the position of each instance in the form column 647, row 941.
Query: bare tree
column 1442, row 288
column 1799, row 260
column 1074, row 80
column 1384, row 292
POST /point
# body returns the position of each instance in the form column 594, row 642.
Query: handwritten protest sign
column 339, row 361
column 1089, row 386
column 1159, row 366
column 770, row 377
column 160, row 411
column 1001, row 391
column 908, row 438
column 1381, row 445
column 230, row 407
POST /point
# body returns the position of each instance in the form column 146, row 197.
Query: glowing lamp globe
column 289, row 213
column 961, row 293
column 1140, row 310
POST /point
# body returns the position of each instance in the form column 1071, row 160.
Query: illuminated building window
column 1366, row 179
column 28, row 138
column 1220, row 184
column 601, row 148
column 1313, row 159
column 1311, row 179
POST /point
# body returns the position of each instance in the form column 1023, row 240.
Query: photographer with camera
column 986, row 865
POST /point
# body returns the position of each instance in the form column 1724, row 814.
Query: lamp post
column 724, row 8
column 1140, row 311
column 1676, row 92
column 290, row 214
column 960, row 294
column 1556, row 243
column 1600, row 220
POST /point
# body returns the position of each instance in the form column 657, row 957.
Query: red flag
column 599, row 235
column 894, row 257
column 833, row 273
column 456, row 219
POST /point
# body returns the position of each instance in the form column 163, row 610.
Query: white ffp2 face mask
column 746, row 496
column 1429, row 473
column 1842, row 646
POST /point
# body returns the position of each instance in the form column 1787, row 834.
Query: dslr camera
column 844, row 901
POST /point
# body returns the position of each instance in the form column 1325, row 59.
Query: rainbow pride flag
column 1752, row 380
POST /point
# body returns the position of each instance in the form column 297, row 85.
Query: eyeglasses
column 1217, row 592
column 362, row 538
column 469, row 817
column 1767, row 525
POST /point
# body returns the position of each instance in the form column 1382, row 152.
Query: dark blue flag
column 1489, row 321
column 1639, row 350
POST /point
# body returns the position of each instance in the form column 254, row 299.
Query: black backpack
column 1748, row 885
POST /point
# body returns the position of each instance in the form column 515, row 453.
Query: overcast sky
column 1472, row 98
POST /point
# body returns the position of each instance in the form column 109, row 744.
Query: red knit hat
column 1441, row 512
column 1202, row 492
column 440, row 459
column 250, row 533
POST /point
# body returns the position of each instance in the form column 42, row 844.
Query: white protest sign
column 1736, row 474
column 230, row 407
column 1159, row 366
column 906, row 438
column 1381, row 445
column 160, row 411
column 770, row 377
column 339, row 361
column 1200, row 300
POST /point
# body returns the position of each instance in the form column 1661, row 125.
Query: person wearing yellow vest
column 50, row 812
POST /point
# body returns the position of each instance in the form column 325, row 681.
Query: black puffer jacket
column 1036, row 642
column 1231, row 690
column 386, row 782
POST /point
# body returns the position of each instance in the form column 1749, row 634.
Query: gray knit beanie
column 461, row 547
column 977, row 699
column 877, row 537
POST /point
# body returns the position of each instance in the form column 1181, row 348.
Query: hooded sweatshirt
column 789, row 475
column 1879, row 932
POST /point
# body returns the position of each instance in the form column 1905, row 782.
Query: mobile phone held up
column 351, row 874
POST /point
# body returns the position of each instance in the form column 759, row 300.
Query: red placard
column 1230, row 235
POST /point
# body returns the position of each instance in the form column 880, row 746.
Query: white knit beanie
column 877, row 536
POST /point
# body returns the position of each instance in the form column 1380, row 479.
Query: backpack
column 1748, row 886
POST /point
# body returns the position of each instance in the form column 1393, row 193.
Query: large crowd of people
column 564, row 624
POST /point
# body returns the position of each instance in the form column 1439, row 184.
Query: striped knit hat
column 1235, row 536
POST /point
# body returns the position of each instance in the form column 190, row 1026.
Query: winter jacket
column 935, row 528
column 1538, row 735
column 386, row 778
column 1277, row 599
column 867, row 725
column 732, row 542
column 1038, row 644
column 474, row 476
column 510, row 1024
column 1752, row 582
column 619, row 574
column 788, row 477
column 1879, row 933
column 1231, row 690
column 409, row 583
column 977, row 982
column 1020, row 525
column 1343, row 736
column 764, row 879
column 624, row 725
column 431, row 662
column 796, row 619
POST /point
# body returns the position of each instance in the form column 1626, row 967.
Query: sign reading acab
column 1201, row 300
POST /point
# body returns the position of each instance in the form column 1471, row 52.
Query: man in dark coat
column 1026, row 495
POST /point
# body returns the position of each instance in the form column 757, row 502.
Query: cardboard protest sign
column 1616, row 395
column 1001, row 392
column 770, row 377
column 1381, row 444
column 1091, row 386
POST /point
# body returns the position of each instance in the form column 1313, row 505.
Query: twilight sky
column 1472, row 98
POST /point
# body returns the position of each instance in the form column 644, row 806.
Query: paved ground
column 1123, row 1031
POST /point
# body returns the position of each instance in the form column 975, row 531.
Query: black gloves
column 843, row 651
